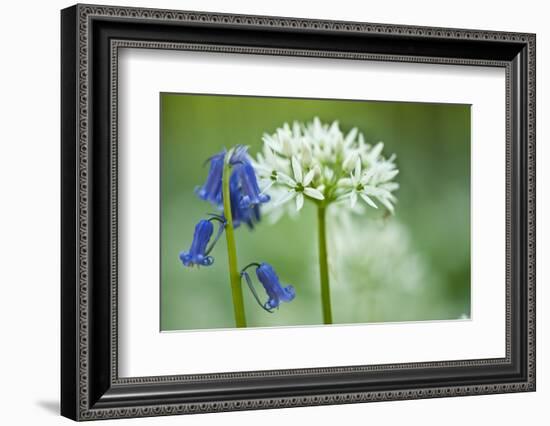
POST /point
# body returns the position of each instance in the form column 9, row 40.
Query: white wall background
column 29, row 211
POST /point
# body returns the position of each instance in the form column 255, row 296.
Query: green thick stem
column 323, row 264
column 234, row 275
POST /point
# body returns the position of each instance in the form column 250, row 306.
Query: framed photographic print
column 263, row 212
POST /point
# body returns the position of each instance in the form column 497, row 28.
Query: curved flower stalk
column 276, row 293
column 232, row 188
column 320, row 163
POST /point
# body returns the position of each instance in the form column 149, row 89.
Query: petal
column 306, row 153
column 286, row 179
column 317, row 124
column 308, row 177
column 185, row 259
column 372, row 190
column 368, row 175
column 288, row 148
column 387, row 204
column 353, row 198
column 263, row 169
column 299, row 201
column 350, row 137
column 271, row 143
column 389, row 175
column 384, row 193
column 239, row 155
column 271, row 304
column 368, row 200
column 377, row 150
column 296, row 130
column 297, row 169
column 379, row 192
column 345, row 182
column 314, row 193
column 350, row 161
column 329, row 173
column 269, row 185
column 287, row 197
column 288, row 294
column 357, row 173
column 390, row 186
column 212, row 189
column 344, row 196
column 269, row 155
column 249, row 184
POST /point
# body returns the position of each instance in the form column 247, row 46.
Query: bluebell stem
column 198, row 252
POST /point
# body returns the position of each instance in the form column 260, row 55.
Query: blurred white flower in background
column 317, row 161
column 378, row 268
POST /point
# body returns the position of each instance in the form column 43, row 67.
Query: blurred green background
column 408, row 267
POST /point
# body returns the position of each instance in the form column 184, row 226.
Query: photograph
column 268, row 208
column 280, row 212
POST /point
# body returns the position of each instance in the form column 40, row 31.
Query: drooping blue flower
column 275, row 291
column 198, row 252
column 250, row 191
column 239, row 214
column 244, row 192
column 211, row 191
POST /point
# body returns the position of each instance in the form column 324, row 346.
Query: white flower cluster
column 318, row 161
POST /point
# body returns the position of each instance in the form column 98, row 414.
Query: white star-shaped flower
column 299, row 186
column 358, row 184
column 268, row 166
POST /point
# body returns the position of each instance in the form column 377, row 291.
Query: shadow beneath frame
column 51, row 406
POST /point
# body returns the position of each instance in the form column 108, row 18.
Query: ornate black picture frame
column 91, row 387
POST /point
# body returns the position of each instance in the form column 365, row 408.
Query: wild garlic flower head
column 319, row 162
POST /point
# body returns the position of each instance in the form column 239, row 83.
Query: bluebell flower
column 275, row 291
column 239, row 155
column 245, row 194
column 239, row 214
column 212, row 189
column 198, row 252
column 250, row 191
